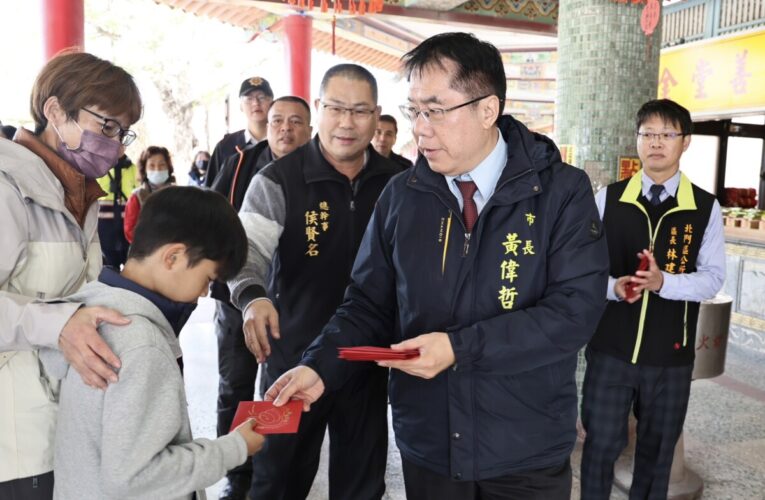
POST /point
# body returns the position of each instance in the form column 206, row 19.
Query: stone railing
column 697, row 19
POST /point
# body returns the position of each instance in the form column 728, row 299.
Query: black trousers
column 552, row 483
column 28, row 488
column 659, row 397
column 238, row 369
column 358, row 442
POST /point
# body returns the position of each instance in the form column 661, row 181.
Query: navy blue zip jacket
column 518, row 299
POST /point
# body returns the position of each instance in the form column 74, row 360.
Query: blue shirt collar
column 176, row 313
column 670, row 185
column 486, row 174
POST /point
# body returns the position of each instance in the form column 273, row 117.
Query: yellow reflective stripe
column 643, row 309
column 685, row 325
column 446, row 242
column 685, row 201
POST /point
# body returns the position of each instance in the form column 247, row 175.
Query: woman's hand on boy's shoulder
column 84, row 348
column 254, row 440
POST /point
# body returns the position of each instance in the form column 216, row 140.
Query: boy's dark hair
column 479, row 69
column 203, row 220
column 389, row 119
column 352, row 72
column 669, row 111
column 295, row 99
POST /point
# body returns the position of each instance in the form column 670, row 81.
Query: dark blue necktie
column 656, row 191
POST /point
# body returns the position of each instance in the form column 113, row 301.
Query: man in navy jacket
column 488, row 257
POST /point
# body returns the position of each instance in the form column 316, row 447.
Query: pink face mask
column 94, row 157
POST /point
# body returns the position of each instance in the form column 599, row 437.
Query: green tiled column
column 607, row 68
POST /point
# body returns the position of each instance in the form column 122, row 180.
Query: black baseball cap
column 256, row 83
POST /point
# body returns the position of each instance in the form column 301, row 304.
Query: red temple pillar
column 63, row 25
column 297, row 43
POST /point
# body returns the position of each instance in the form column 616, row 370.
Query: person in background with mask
column 156, row 170
column 82, row 108
column 198, row 169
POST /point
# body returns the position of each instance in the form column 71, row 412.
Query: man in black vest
column 642, row 353
column 305, row 215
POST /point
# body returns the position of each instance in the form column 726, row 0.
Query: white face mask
column 157, row 177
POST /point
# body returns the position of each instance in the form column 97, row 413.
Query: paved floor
column 724, row 430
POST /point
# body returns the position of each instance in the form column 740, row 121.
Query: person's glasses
column 433, row 115
column 661, row 137
column 360, row 114
column 293, row 122
column 261, row 98
column 112, row 128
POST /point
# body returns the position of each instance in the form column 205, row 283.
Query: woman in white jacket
column 82, row 107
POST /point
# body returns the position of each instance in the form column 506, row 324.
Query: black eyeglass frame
column 127, row 136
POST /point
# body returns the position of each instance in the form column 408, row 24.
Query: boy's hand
column 84, row 348
column 253, row 439
column 260, row 317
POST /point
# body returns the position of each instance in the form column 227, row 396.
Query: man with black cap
column 255, row 97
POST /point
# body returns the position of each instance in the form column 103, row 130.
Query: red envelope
column 269, row 419
column 371, row 353
column 629, row 288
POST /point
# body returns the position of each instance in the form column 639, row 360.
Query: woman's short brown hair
column 79, row 79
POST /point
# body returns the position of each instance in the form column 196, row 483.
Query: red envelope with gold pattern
column 269, row 418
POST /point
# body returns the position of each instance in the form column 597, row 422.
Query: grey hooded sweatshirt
column 133, row 440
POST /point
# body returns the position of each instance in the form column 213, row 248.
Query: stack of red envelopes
column 270, row 419
column 370, row 353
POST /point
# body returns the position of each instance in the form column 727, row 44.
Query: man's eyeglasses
column 662, row 137
column 112, row 128
column 360, row 114
column 433, row 115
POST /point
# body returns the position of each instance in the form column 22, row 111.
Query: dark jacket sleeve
column 367, row 314
column 565, row 317
column 225, row 176
column 216, row 162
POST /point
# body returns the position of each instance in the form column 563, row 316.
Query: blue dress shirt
column 485, row 175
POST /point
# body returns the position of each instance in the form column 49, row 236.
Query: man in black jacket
column 255, row 97
column 487, row 258
column 289, row 127
column 305, row 215
column 385, row 138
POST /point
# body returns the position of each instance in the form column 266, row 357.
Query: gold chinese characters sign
column 711, row 76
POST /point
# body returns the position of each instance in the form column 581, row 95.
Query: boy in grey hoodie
column 133, row 440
